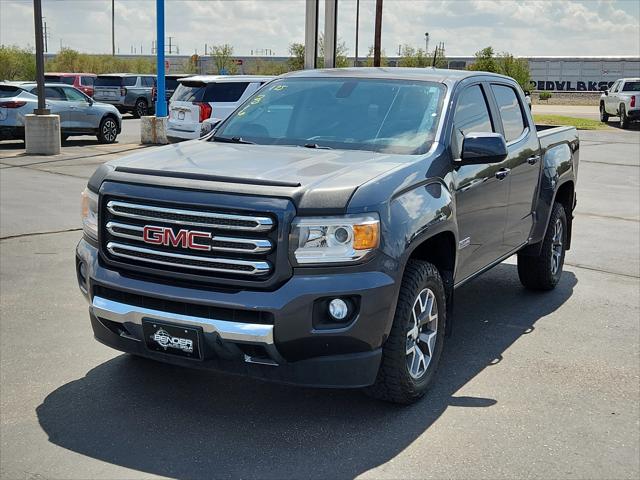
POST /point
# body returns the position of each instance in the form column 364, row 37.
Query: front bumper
column 289, row 349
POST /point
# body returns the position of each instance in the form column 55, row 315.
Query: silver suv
column 128, row 92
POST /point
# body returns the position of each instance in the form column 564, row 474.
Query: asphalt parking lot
column 531, row 385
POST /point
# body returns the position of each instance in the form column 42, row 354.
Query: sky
column 531, row 27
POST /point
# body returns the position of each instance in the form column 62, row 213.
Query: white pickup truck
column 622, row 100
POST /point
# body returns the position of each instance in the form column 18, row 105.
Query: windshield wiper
column 231, row 140
column 315, row 145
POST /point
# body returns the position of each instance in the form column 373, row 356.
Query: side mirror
column 478, row 148
column 90, row 101
column 208, row 125
column 606, row 92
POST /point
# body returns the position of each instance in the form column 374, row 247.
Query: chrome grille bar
column 218, row 243
column 190, row 217
column 210, row 264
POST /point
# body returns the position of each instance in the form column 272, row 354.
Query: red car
column 82, row 81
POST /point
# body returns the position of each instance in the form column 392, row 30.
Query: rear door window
column 129, row 81
column 52, row 93
column 513, row 121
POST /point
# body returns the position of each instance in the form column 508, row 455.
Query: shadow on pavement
column 185, row 423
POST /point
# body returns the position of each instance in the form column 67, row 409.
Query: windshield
column 394, row 116
column 631, row 87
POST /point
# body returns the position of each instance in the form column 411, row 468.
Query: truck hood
column 314, row 178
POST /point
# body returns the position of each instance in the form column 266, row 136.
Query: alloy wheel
column 109, row 131
column 422, row 334
column 556, row 246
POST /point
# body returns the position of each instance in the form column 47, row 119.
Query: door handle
column 502, row 173
column 533, row 159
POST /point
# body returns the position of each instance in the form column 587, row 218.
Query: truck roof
column 439, row 75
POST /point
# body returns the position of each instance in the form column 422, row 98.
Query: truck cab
column 318, row 234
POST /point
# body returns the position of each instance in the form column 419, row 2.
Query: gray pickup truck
column 128, row 92
column 318, row 234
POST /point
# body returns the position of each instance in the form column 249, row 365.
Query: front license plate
column 172, row 339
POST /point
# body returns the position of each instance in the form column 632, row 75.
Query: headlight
column 90, row 213
column 344, row 239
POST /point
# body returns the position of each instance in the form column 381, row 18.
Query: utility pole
column 426, row 43
column 113, row 28
column 355, row 61
column 377, row 35
column 37, row 18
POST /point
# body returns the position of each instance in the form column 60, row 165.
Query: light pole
column 355, row 61
column 426, row 42
column 113, row 28
column 161, row 101
column 377, row 34
column 37, row 17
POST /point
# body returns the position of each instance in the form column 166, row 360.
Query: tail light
column 633, row 101
column 154, row 92
column 205, row 110
column 123, row 91
column 13, row 104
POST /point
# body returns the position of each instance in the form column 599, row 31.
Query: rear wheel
column 543, row 272
column 411, row 354
column 604, row 116
column 624, row 120
column 141, row 108
column 108, row 130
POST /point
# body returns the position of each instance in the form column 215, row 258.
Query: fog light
column 338, row 309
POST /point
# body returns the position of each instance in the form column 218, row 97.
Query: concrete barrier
column 153, row 130
column 42, row 134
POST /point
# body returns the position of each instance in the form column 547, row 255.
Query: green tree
column 223, row 58
column 296, row 56
column 410, row 57
column 17, row 63
column 384, row 61
column 503, row 63
column 68, row 60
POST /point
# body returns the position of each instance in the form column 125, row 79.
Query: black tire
column 604, row 116
column 624, row 120
column 395, row 381
column 141, row 108
column 543, row 272
column 108, row 130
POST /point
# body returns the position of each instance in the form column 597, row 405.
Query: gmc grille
column 234, row 245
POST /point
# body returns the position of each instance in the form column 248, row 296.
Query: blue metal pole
column 161, row 101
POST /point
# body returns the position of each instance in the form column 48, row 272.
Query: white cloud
column 533, row 27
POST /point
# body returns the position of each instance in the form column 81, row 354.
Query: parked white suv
column 622, row 100
column 204, row 97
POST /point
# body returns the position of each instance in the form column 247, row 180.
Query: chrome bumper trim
column 231, row 331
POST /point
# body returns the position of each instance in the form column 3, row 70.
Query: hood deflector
column 207, row 177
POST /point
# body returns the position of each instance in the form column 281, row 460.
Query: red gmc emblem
column 183, row 238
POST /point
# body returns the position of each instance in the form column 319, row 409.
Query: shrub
column 545, row 95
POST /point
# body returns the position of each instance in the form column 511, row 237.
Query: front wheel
column 624, row 120
column 411, row 354
column 604, row 116
column 542, row 272
column 108, row 130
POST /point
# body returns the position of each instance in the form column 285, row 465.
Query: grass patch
column 579, row 123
